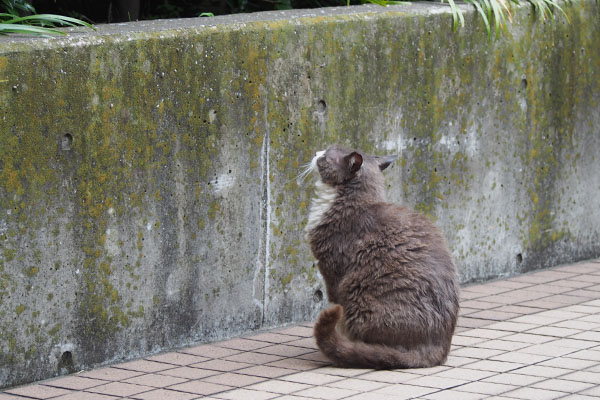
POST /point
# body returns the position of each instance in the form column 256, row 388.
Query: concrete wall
column 147, row 170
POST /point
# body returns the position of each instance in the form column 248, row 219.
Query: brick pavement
column 534, row 336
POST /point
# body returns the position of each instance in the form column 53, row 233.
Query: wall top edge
column 166, row 28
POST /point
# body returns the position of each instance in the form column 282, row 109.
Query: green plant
column 34, row 24
column 498, row 11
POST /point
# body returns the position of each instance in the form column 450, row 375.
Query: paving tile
column 573, row 343
column 315, row 356
column 155, row 380
column 512, row 326
column 494, row 315
column 478, row 304
column 109, row 374
column 6, row 396
column 297, row 331
column 478, row 353
column 38, row 391
column 589, row 335
column 281, row 387
column 547, row 349
column 486, row 289
column 296, row 363
column 566, row 299
column 233, row 380
column 578, row 324
column 578, row 397
column 436, row 382
column 83, row 396
column 272, row 337
column 570, row 363
column 467, row 322
column 177, row 358
column 242, row 344
column 120, row 389
column 388, row 376
column 519, row 309
column 501, row 344
column 563, row 385
column 284, row 350
column 454, row 394
column 144, row 366
column 593, row 391
column 358, row 385
column 210, row 351
column 520, row 358
column 583, row 376
column 537, row 319
column 591, row 355
column 311, row 378
column 165, row 394
column 573, row 283
column 550, row 288
column 309, row 343
column 246, row 394
column 326, row 392
column 488, row 388
column 199, row 387
column 253, row 358
column 189, row 372
column 542, row 371
column 485, row 333
column 495, row 366
column 466, row 374
column 425, row 371
column 466, row 340
column 455, row 361
column 529, row 393
column 265, row 371
column 553, row 331
column 528, row 338
column 404, row 391
column 360, row 396
column 514, row 379
column 346, row 372
column 221, row 365
column 293, row 397
column 75, row 382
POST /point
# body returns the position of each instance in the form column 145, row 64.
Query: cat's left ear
column 354, row 161
column 385, row 161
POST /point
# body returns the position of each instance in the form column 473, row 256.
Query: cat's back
column 401, row 237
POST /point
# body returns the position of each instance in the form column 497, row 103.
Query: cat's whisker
column 307, row 169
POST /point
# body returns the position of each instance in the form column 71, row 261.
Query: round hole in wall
column 318, row 296
column 65, row 364
column 523, row 84
column 321, row 106
column 519, row 258
column 66, row 142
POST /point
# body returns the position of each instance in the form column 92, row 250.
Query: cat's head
column 338, row 166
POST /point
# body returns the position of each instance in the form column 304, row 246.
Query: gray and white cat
column 387, row 270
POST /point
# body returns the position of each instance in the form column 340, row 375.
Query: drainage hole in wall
column 66, row 363
column 523, row 84
column 321, row 106
column 519, row 258
column 318, row 296
column 66, row 142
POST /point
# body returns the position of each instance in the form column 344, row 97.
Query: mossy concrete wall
column 147, row 170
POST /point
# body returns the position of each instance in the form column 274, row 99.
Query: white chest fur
column 325, row 195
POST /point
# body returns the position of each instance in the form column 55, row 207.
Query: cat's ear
column 353, row 161
column 385, row 162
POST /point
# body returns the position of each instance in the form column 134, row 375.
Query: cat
column 387, row 269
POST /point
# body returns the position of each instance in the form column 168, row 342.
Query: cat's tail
column 346, row 353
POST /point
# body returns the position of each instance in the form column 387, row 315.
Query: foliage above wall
column 495, row 13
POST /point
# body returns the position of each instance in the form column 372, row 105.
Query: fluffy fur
column 386, row 268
